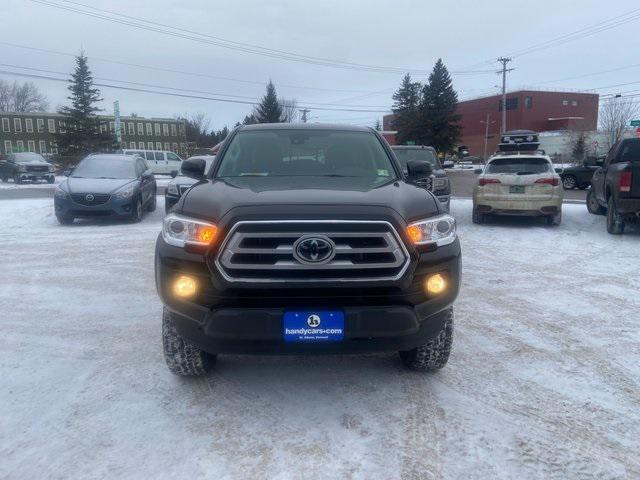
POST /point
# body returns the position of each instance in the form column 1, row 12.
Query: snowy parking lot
column 543, row 380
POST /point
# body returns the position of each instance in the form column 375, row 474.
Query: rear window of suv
column 519, row 166
column 306, row 153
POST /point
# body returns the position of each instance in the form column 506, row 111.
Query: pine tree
column 269, row 110
column 81, row 133
column 579, row 148
column 440, row 127
column 377, row 126
column 406, row 103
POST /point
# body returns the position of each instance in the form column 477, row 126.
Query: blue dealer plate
column 313, row 326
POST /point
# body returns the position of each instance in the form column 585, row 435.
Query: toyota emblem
column 313, row 250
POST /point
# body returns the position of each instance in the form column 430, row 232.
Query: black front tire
column 17, row 180
column 5, row 179
column 569, row 182
column 477, row 217
column 434, row 354
column 615, row 222
column 136, row 213
column 153, row 203
column 183, row 358
column 65, row 219
column 51, row 179
column 593, row 205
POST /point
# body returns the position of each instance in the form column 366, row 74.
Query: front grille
column 37, row 168
column 268, row 251
column 90, row 199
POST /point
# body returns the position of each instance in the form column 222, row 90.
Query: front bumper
column 224, row 318
column 112, row 208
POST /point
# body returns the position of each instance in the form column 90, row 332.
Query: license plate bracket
column 313, row 326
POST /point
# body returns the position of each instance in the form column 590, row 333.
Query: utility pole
column 304, row 112
column 486, row 133
column 504, row 61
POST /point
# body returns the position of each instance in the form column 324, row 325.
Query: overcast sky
column 401, row 33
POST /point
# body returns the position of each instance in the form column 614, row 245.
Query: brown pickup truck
column 615, row 187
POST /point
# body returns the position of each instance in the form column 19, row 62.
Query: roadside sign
column 116, row 114
column 635, row 123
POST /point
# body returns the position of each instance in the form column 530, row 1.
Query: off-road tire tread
column 182, row 357
column 434, row 354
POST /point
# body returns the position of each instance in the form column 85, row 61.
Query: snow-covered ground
column 543, row 381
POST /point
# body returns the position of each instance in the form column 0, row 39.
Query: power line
column 182, row 95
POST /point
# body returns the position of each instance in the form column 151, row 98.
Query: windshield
column 519, row 166
column 28, row 158
column 306, row 153
column 105, row 167
column 424, row 154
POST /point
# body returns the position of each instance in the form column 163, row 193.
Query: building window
column 20, row 146
column 158, row 145
column 173, row 130
column 512, row 104
column 40, row 125
column 165, row 129
column 43, row 146
column 5, row 125
column 565, row 103
column 103, row 128
column 132, row 144
column 149, row 129
column 17, row 125
column 156, row 128
column 574, row 103
column 174, row 147
column 166, row 146
column 28, row 122
column 51, row 123
column 7, row 146
column 528, row 102
column 149, row 145
column 181, row 128
column 132, row 129
column 31, row 145
column 112, row 126
column 140, row 129
column 54, row 148
column 141, row 144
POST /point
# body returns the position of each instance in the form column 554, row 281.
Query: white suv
column 518, row 183
column 159, row 161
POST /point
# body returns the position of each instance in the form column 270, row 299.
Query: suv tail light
column 484, row 181
column 625, row 181
column 549, row 181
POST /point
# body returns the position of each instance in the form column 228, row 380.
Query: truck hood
column 214, row 199
column 95, row 185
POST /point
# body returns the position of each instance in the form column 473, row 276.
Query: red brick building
column 526, row 109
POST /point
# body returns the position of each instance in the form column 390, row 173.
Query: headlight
column 440, row 183
column 179, row 231
column 125, row 192
column 440, row 230
column 172, row 189
column 60, row 193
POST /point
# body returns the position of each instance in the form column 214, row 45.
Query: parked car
column 106, row 185
column 518, row 183
column 160, row 162
column 307, row 238
column 438, row 182
column 24, row 166
column 579, row 176
column 181, row 183
column 615, row 187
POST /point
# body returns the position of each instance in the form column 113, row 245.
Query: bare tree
column 21, row 98
column 289, row 109
column 5, row 97
column 616, row 115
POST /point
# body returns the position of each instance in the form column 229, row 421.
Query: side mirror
column 477, row 171
column 418, row 169
column 174, row 173
column 559, row 170
column 147, row 174
column 194, row 168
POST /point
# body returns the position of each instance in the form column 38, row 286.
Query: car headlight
column 179, row 231
column 60, row 193
column 440, row 230
column 172, row 189
column 125, row 192
column 440, row 183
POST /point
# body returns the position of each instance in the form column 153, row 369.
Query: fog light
column 185, row 286
column 436, row 284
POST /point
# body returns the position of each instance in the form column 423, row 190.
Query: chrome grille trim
column 394, row 246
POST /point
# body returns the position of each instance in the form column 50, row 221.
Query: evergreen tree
column 440, row 126
column 579, row 148
column 250, row 119
column 81, row 133
column 270, row 109
column 406, row 103
column 377, row 126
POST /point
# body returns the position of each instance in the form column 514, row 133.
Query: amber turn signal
column 185, row 286
column 415, row 233
column 206, row 234
column 436, row 284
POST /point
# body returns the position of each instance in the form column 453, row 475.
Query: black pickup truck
column 615, row 187
column 307, row 239
column 23, row 166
